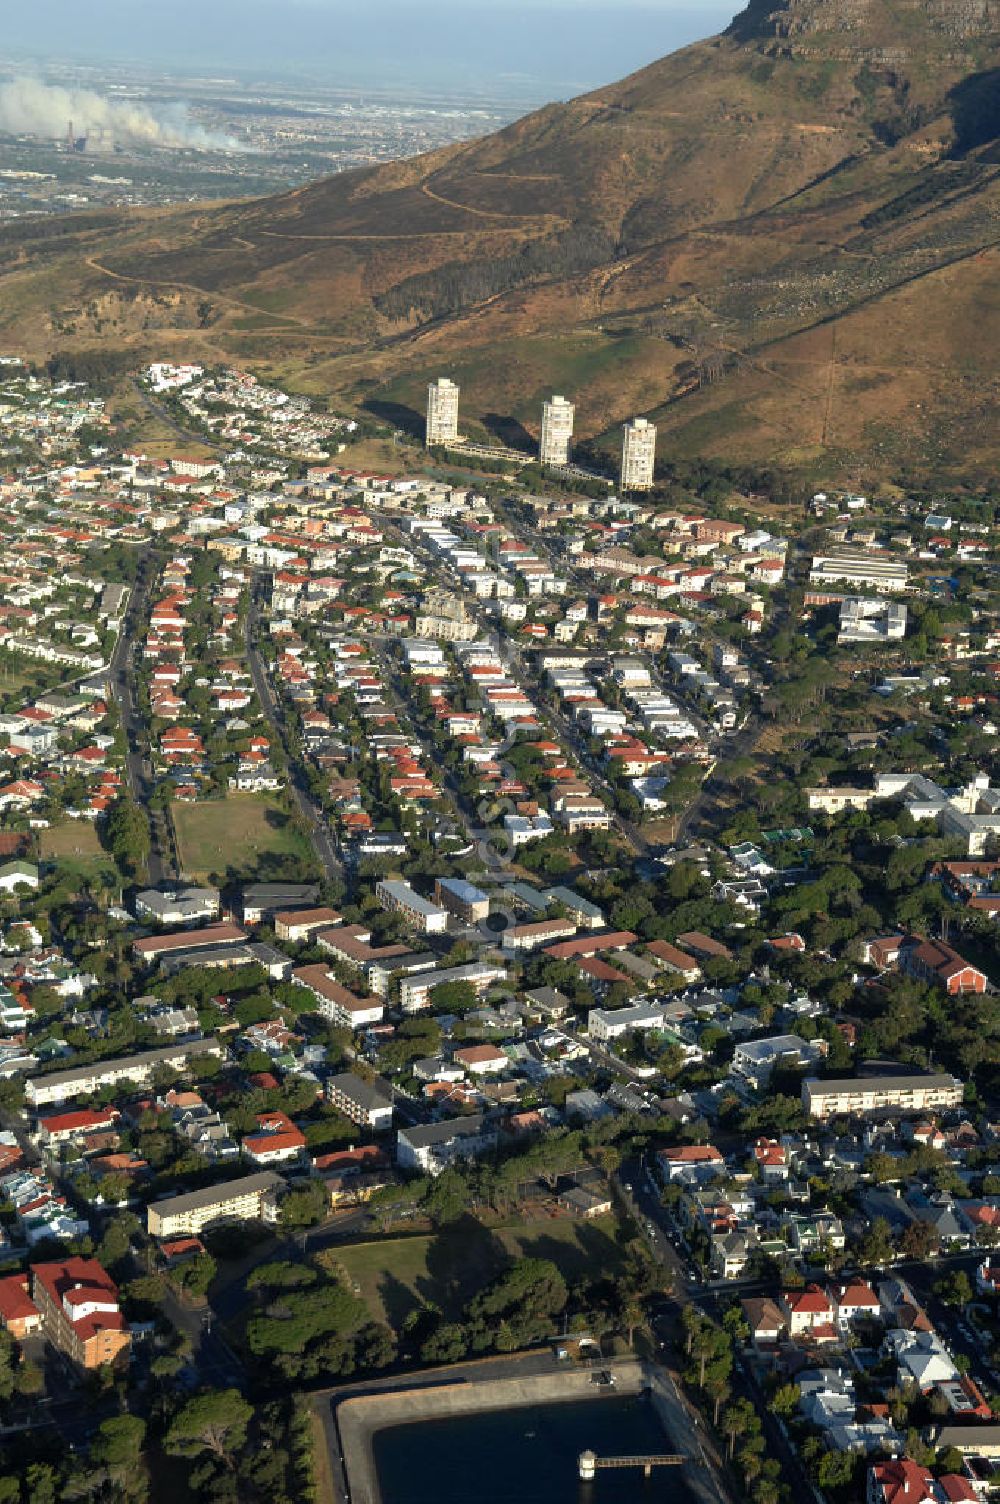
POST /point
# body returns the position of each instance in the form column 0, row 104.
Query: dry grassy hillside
column 781, row 241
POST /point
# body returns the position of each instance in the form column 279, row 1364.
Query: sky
column 548, row 48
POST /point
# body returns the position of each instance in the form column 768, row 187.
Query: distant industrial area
column 73, row 138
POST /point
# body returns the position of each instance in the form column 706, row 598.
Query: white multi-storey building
column 557, row 431
column 442, row 412
column 880, row 1094
column 638, row 455
column 245, row 1200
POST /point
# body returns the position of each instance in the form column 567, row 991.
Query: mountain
column 781, row 242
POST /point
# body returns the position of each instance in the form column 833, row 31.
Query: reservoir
column 528, row 1456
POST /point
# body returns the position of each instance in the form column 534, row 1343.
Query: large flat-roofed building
column 880, row 1094
column 757, row 1059
column 463, row 899
column 638, row 455
column 177, row 905
column 431, row 1147
column 400, row 898
column 604, row 1026
column 859, row 567
column 971, row 1440
column 970, row 814
column 415, row 991
column 261, row 901
column 337, row 1002
column 367, row 1103
column 557, row 431
column 64, row 1086
column 875, row 621
column 447, row 628
column 78, row 1303
column 213, row 937
column 298, row 925
column 836, row 800
column 248, row 1200
column 442, row 412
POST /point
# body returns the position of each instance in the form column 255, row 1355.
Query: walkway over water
column 589, row 1462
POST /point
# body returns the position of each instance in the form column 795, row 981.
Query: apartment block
column 557, row 431
column 400, row 898
column 415, row 991
column 366, row 1103
column 638, row 455
column 253, row 1198
column 78, row 1303
column 463, row 899
column 442, row 412
column 880, row 1094
column 63, row 1086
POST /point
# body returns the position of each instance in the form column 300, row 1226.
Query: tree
column 950, row 1460
column 835, row 1470
column 919, row 1239
column 882, row 1167
column 717, row 1388
column 739, row 1419
column 127, row 834
column 197, row 1274
column 305, row 1206
column 785, row 1399
column 446, row 1199
column 29, row 1379
column 213, row 1422
column 115, row 1244
column 453, row 997
column 41, row 1483
column 446, row 1345
column 955, row 1289
column 119, row 1441
column 876, row 1245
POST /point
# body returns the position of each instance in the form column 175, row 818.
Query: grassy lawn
column 75, row 846
column 395, row 1275
column 232, row 835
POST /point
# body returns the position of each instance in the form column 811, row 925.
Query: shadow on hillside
column 396, row 413
column 975, row 110
column 510, row 432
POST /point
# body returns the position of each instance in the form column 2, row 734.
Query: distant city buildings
column 557, row 431
column 638, row 455
column 442, row 412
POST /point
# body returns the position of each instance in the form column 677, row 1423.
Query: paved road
column 319, row 831
column 163, row 415
column 399, row 691
column 160, row 865
column 214, row 1359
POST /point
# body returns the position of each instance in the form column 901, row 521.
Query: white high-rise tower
column 638, row 455
column 442, row 412
column 557, row 432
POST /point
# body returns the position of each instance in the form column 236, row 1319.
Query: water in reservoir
column 527, row 1456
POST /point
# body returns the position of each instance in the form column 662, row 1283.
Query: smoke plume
column 30, row 107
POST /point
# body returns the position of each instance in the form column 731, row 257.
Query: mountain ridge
column 659, row 244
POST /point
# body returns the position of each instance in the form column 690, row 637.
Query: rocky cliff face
column 868, row 21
